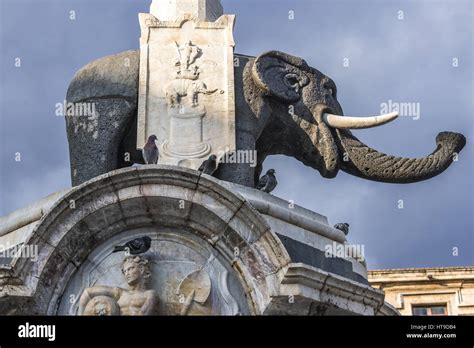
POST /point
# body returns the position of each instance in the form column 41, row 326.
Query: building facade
column 427, row 291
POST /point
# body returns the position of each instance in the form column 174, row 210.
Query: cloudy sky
column 405, row 51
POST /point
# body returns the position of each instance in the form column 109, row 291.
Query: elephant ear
column 280, row 75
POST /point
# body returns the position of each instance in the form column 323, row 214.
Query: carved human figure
column 137, row 300
column 188, row 54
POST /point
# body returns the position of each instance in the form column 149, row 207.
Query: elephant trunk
column 360, row 160
column 320, row 138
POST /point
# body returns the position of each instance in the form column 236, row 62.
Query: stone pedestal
column 183, row 126
column 215, row 249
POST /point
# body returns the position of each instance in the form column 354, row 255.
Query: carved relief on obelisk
column 186, row 84
column 185, row 112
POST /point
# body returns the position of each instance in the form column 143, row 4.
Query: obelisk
column 186, row 84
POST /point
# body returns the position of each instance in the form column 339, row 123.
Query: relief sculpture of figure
column 137, row 300
column 188, row 54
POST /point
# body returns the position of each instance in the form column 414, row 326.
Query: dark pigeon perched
column 268, row 182
column 150, row 151
column 344, row 227
column 209, row 166
column 135, row 247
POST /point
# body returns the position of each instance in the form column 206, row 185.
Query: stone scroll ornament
column 114, row 301
column 186, row 87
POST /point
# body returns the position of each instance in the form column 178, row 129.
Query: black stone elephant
column 283, row 106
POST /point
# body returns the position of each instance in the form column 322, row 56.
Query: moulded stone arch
column 132, row 198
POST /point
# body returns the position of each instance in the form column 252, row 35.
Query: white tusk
column 345, row 122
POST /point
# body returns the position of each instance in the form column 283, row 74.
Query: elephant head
column 307, row 123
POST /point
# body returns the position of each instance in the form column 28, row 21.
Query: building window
column 429, row 310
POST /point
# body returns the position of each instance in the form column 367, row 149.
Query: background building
column 427, row 291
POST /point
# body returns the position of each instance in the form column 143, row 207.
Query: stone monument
column 186, row 81
column 215, row 245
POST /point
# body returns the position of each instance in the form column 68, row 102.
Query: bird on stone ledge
column 268, row 182
column 150, row 151
column 209, row 166
column 135, row 247
column 344, row 227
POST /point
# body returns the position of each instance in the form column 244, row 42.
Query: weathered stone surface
column 315, row 292
column 196, row 223
column 96, row 146
column 370, row 164
column 186, row 95
column 28, row 215
column 304, row 233
column 204, row 10
column 96, row 142
column 304, row 253
column 175, row 206
column 115, row 75
column 279, row 209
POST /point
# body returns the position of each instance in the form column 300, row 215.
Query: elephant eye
column 329, row 87
column 292, row 81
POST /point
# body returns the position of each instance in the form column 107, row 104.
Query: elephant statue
column 177, row 89
column 283, row 106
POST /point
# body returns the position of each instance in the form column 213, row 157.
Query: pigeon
column 135, row 247
column 209, row 166
column 344, row 227
column 268, row 182
column 150, row 151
